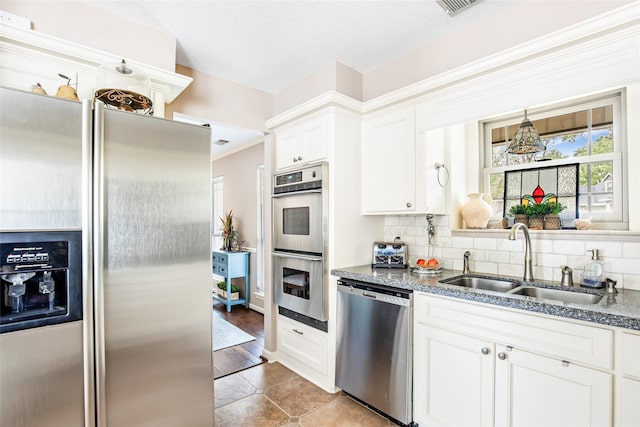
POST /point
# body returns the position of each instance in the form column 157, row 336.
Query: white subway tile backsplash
column 631, row 250
column 510, row 245
column 608, row 249
column 462, row 242
column 499, row 255
column 407, row 220
column 568, row 247
column 544, row 246
column 476, row 255
column 484, row 267
column 631, row 281
column 511, row 269
column 417, row 230
column 479, row 243
column 550, row 260
column 622, row 265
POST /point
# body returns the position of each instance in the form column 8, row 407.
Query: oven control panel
column 309, row 178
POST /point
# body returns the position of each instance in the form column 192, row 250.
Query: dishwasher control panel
column 387, row 294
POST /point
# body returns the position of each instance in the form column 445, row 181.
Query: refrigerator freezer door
column 152, row 271
column 40, row 162
column 41, row 371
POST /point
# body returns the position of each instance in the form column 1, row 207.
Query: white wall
column 82, row 23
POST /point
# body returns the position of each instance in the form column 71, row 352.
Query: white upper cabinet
column 303, row 141
column 403, row 164
column 389, row 163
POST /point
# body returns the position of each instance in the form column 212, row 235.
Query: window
column 587, row 133
column 217, row 211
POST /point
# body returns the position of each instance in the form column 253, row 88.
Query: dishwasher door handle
column 365, row 294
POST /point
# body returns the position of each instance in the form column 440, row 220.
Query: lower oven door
column 300, row 285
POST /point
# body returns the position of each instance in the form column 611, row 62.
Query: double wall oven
column 299, row 235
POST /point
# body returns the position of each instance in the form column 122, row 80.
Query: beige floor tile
column 267, row 375
column 343, row 412
column 252, row 411
column 231, row 388
column 298, row 396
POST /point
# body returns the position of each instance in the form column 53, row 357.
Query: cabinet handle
column 502, row 355
column 298, row 332
column 565, row 363
column 297, row 159
column 484, row 351
column 408, row 204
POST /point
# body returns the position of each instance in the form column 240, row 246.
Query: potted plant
column 222, row 290
column 520, row 213
column 537, row 211
column 552, row 217
column 229, row 234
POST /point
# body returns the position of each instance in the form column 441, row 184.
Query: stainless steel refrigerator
column 122, row 202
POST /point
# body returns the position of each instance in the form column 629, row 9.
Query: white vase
column 477, row 211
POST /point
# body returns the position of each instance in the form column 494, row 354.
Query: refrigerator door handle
column 98, row 263
column 87, row 263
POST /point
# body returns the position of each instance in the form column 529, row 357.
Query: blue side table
column 231, row 265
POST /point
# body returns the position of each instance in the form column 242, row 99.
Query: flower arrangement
column 229, row 234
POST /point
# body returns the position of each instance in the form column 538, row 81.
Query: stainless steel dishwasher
column 374, row 346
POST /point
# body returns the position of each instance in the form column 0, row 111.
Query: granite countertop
column 620, row 310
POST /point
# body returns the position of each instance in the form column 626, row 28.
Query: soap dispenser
column 593, row 274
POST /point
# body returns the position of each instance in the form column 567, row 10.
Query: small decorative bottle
column 593, row 274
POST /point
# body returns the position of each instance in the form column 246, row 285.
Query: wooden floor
column 243, row 356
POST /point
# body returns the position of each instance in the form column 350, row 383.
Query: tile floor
column 270, row 395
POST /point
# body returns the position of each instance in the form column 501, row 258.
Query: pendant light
column 526, row 140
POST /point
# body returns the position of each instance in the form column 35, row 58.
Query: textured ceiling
column 270, row 45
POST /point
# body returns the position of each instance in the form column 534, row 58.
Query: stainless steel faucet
column 465, row 263
column 528, row 267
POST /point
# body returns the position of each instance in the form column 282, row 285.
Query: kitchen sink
column 485, row 283
column 557, row 295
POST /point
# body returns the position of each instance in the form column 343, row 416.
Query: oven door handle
column 296, row 193
column 296, row 256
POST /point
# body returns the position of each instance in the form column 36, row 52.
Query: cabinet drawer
column 220, row 269
column 219, row 258
column 303, row 343
column 557, row 338
column 630, row 354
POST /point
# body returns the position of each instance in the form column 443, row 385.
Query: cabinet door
column 453, row 379
column 304, row 142
column 389, row 163
column 302, row 346
column 629, row 398
column 629, row 403
column 533, row 390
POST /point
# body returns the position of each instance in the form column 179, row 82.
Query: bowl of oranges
column 427, row 266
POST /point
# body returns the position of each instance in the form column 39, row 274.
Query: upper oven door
column 297, row 222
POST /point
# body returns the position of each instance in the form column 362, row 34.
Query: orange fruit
column 432, row 262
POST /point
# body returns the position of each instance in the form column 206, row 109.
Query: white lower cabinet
column 467, row 373
column 453, row 379
column 534, row 390
column 304, row 350
column 629, row 400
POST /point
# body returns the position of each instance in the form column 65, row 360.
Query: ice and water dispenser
column 40, row 279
